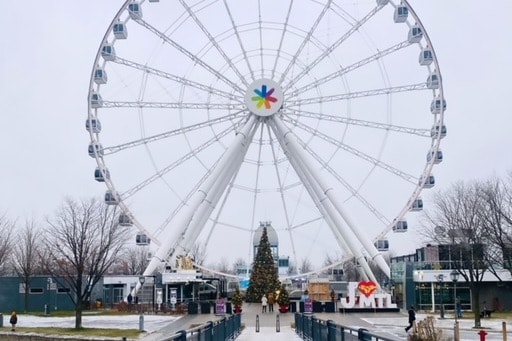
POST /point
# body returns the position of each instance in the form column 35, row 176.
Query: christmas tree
column 237, row 298
column 264, row 278
column 283, row 298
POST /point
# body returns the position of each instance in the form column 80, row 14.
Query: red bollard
column 482, row 334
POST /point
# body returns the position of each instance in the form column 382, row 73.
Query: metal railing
column 310, row 328
column 222, row 330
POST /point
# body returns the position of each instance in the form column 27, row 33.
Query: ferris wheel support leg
column 183, row 218
column 211, row 201
column 306, row 162
column 345, row 241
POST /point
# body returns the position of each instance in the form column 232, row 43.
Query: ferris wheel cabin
column 96, row 100
column 435, row 105
column 94, row 147
column 426, row 56
column 93, row 125
column 427, row 182
column 415, row 34
column 110, row 198
column 101, row 174
column 433, row 80
column 100, row 76
column 120, row 31
column 135, row 10
column 124, row 220
column 142, row 239
column 382, row 245
column 400, row 226
column 107, row 52
column 401, row 14
column 437, row 156
column 437, row 130
column 417, row 205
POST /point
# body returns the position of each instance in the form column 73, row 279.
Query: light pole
column 142, row 279
column 440, row 279
column 454, row 275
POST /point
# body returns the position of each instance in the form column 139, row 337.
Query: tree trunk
column 475, row 297
column 78, row 315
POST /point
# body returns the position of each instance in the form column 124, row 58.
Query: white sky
column 48, row 48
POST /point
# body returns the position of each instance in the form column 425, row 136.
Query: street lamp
column 440, row 279
column 454, row 275
column 142, row 279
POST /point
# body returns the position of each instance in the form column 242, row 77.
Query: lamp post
column 440, row 279
column 454, row 275
column 142, row 279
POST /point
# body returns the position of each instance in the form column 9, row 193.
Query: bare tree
column 305, row 266
column 83, row 240
column 458, row 221
column 497, row 195
column 198, row 253
column 6, row 242
column 135, row 260
column 25, row 255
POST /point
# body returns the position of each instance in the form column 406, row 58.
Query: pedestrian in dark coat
column 412, row 318
column 13, row 320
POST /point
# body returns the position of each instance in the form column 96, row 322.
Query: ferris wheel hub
column 264, row 97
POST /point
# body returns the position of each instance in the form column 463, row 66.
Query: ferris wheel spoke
column 147, row 140
column 172, row 105
column 351, row 121
column 190, row 55
column 239, row 39
column 342, row 71
column 176, row 163
column 305, row 41
column 371, row 160
column 281, row 39
column 180, row 80
column 354, row 192
column 355, row 27
column 358, row 94
column 212, row 39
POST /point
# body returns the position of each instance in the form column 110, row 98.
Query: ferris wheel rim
column 95, row 138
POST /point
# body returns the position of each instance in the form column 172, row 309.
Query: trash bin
column 192, row 308
column 205, row 307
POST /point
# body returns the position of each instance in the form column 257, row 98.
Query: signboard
column 220, row 307
column 365, row 294
column 173, row 298
column 308, row 306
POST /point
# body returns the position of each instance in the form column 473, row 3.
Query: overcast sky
column 48, row 49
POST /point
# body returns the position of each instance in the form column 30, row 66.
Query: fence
column 310, row 328
column 221, row 330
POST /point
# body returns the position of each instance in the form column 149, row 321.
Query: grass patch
column 114, row 333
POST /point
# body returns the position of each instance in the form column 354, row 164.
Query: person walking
column 13, row 320
column 264, row 302
column 270, row 302
column 412, row 318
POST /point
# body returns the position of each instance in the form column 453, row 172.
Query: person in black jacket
column 412, row 318
column 13, row 320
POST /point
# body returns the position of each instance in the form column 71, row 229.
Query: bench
column 486, row 313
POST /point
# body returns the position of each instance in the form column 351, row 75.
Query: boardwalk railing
column 310, row 328
column 222, row 330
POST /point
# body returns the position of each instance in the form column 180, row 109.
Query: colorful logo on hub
column 264, row 97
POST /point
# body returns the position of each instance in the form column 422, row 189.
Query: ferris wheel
column 325, row 118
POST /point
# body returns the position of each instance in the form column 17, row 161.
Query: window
column 36, row 290
column 63, row 290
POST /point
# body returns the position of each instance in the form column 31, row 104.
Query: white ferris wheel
column 324, row 117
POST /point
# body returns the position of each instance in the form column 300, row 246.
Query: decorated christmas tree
column 264, row 278
column 237, row 298
column 283, row 299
